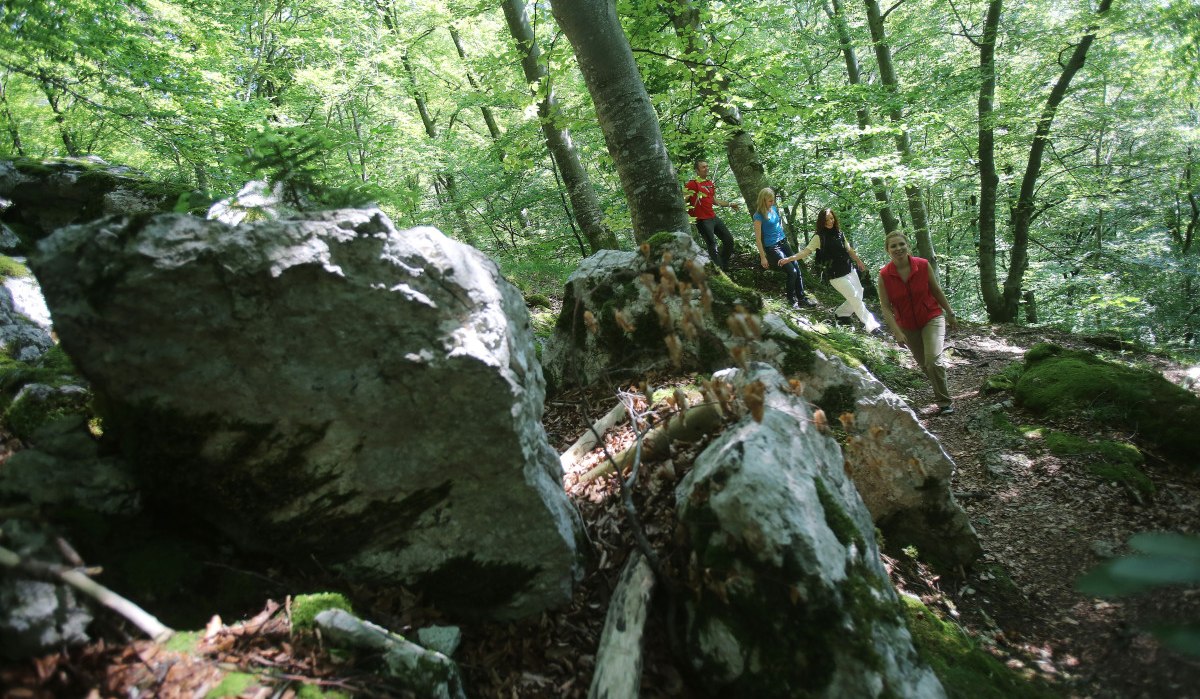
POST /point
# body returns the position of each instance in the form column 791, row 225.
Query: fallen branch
column 687, row 426
column 588, row 440
column 78, row 579
column 619, row 657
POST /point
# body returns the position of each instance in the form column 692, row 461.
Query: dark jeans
column 795, row 282
column 707, row 228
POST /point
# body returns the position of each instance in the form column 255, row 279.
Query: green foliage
column 966, row 670
column 1061, row 383
column 305, row 608
column 1163, row 559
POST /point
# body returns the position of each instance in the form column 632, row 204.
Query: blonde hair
column 760, row 205
column 893, row 234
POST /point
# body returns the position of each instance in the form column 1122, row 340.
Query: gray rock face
column 901, row 471
column 21, row 337
column 793, row 598
column 41, row 197
column 327, row 388
column 610, row 281
column 37, row 616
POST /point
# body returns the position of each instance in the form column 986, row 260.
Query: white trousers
column 851, row 288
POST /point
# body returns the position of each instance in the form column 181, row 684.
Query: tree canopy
column 427, row 109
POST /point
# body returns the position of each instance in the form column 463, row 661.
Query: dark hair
column 821, row 220
column 696, row 165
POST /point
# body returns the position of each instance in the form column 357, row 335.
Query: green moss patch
column 966, row 671
column 305, row 608
column 1065, row 383
column 10, row 268
column 1112, row 461
column 232, row 685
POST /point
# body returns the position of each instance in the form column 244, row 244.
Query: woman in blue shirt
column 773, row 246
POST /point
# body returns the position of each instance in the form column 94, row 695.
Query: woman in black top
column 833, row 257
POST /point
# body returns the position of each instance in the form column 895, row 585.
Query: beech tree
column 558, row 138
column 626, row 116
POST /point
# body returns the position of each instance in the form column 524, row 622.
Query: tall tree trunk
column 887, row 74
column 488, row 118
column 838, row 19
column 60, row 119
column 447, row 179
column 627, row 118
column 989, row 180
column 558, row 139
column 747, row 167
column 1184, row 240
column 1021, row 214
column 10, row 124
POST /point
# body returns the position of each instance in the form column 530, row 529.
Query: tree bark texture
column 989, row 180
column 887, row 74
column 628, row 120
column 1022, row 214
column 583, row 197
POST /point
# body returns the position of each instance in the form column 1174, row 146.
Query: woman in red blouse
column 916, row 311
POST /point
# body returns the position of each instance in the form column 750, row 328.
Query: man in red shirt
column 702, row 194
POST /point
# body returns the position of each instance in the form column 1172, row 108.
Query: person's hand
column 784, row 261
column 901, row 341
column 763, row 259
column 951, row 320
column 861, row 266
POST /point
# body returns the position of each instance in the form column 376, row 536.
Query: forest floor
column 1043, row 521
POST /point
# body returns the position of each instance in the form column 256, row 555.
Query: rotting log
column 619, row 658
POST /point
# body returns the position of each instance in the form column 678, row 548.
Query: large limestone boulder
column 901, row 470
column 328, row 388
column 580, row 352
column 792, row 599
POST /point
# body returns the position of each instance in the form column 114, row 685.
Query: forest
column 1043, row 153
column 670, row 484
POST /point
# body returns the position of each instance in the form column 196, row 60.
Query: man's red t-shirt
column 701, row 202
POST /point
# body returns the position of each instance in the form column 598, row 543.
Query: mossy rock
column 1058, row 382
column 966, row 671
column 1107, row 459
column 305, row 608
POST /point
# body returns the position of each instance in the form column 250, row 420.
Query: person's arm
column 885, row 309
column 728, row 204
column 940, row 296
column 762, row 253
column 814, row 244
column 854, row 256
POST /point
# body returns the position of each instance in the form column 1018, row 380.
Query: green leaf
column 1184, row 638
column 1167, row 544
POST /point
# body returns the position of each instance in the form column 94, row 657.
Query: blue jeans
column 795, row 283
